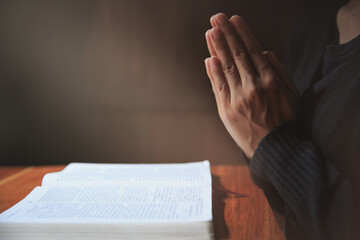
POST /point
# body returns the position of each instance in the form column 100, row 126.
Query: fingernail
column 236, row 20
column 216, row 33
column 221, row 18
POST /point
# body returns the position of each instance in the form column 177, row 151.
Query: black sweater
column 310, row 169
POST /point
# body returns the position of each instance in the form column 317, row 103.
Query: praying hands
column 253, row 91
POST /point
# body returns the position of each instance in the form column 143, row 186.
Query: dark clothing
column 310, row 169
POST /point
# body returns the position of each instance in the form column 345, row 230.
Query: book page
column 82, row 174
column 154, row 200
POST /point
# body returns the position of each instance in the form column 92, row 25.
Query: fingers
column 208, row 38
column 209, row 43
column 242, row 60
column 243, row 31
column 212, row 22
column 252, row 46
column 229, row 68
column 236, row 48
column 208, row 71
column 281, row 71
column 218, row 81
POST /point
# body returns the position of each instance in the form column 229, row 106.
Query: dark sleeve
column 320, row 201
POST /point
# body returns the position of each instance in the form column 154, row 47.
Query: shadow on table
column 220, row 228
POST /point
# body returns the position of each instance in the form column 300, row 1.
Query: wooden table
column 234, row 217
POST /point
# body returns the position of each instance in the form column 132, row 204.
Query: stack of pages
column 116, row 201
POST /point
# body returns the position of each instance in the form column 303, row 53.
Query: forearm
column 320, row 198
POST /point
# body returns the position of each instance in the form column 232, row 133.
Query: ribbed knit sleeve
column 319, row 198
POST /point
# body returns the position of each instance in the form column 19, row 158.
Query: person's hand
column 253, row 91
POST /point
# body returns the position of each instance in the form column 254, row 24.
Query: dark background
column 119, row 81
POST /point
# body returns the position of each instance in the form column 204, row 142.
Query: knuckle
column 221, row 87
column 254, row 51
column 229, row 68
column 266, row 69
column 240, row 54
column 271, row 83
column 250, row 80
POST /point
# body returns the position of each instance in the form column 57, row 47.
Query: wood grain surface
column 234, row 217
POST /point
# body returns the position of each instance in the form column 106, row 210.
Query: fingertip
column 206, row 61
column 236, row 20
column 221, row 18
column 221, row 14
column 214, row 61
column 207, row 33
column 212, row 22
column 216, row 33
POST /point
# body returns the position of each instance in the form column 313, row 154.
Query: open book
column 116, row 201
